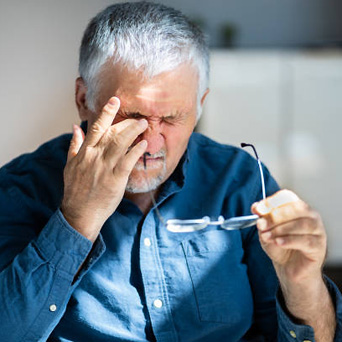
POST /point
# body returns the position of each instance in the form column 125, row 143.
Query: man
column 85, row 255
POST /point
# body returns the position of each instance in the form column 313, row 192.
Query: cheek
column 176, row 141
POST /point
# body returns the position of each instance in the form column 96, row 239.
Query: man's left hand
column 293, row 236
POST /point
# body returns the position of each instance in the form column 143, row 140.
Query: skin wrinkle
column 160, row 100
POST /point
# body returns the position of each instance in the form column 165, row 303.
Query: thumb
column 76, row 142
column 277, row 200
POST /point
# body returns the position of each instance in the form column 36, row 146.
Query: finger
column 114, row 130
column 120, row 126
column 303, row 226
column 127, row 163
column 76, row 142
column 119, row 143
column 103, row 122
column 293, row 211
column 305, row 243
column 280, row 198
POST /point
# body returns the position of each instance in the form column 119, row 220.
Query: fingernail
column 143, row 122
column 262, row 208
column 254, row 205
column 262, row 224
column 143, row 144
column 113, row 101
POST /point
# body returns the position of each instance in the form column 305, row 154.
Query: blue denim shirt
column 140, row 282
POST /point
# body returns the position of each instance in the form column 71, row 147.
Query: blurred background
column 276, row 82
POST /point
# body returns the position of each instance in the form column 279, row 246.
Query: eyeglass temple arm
column 260, row 168
column 161, row 219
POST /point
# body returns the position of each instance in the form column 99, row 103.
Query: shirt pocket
column 219, row 277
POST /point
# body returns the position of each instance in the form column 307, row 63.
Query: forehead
column 168, row 90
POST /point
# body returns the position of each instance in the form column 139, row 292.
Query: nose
column 154, row 137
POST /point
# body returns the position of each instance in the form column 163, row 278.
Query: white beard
column 141, row 183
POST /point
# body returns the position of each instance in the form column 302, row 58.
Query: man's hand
column 97, row 169
column 293, row 236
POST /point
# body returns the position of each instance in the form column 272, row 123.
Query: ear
column 80, row 99
column 204, row 96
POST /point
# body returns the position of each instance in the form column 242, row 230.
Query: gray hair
column 143, row 36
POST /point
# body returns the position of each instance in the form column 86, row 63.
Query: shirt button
column 293, row 334
column 53, row 308
column 147, row 242
column 158, row 303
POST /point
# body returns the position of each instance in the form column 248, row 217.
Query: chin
column 142, row 186
column 141, row 182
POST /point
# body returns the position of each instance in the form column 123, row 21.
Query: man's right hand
column 97, row 169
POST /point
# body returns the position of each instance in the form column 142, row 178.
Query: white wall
column 38, row 65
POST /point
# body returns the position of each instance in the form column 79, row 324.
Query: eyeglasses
column 234, row 223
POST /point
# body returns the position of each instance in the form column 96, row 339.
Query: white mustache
column 155, row 165
column 159, row 154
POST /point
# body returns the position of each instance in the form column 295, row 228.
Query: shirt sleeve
column 289, row 331
column 37, row 275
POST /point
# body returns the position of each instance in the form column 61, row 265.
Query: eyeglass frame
column 192, row 225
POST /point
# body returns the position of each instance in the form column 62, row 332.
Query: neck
column 142, row 200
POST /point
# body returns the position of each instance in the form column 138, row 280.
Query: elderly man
column 85, row 253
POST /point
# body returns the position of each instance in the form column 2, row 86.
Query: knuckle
column 272, row 217
column 280, row 214
column 85, row 156
column 316, row 216
column 108, row 110
column 113, row 131
column 97, row 128
column 311, row 242
column 303, row 206
column 119, row 141
column 315, row 222
column 122, row 170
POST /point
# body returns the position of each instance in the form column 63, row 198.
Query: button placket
column 153, row 281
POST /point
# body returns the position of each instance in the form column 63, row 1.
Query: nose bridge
column 153, row 136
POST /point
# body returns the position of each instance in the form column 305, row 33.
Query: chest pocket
column 219, row 277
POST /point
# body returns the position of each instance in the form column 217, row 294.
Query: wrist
column 299, row 276
column 305, row 300
column 89, row 227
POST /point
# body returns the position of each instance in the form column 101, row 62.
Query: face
column 167, row 101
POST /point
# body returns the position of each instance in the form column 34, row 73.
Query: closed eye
column 169, row 119
column 174, row 119
column 134, row 115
